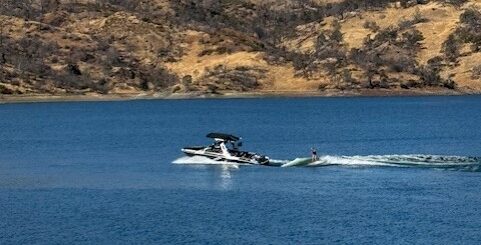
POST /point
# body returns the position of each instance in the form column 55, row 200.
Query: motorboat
column 226, row 148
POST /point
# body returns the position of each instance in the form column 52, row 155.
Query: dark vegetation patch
column 234, row 79
column 468, row 32
column 476, row 73
column 28, row 63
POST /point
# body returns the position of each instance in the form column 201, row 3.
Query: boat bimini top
column 225, row 137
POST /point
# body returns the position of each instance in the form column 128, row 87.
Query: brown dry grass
column 462, row 72
column 278, row 77
column 441, row 22
column 141, row 40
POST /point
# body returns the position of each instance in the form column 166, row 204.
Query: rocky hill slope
column 96, row 47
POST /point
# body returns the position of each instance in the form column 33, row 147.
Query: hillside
column 112, row 47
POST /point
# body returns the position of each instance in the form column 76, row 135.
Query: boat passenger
column 314, row 154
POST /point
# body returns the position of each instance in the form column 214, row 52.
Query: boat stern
column 262, row 160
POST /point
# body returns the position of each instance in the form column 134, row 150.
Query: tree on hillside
column 410, row 40
column 3, row 9
column 2, row 29
column 456, row 3
column 469, row 30
column 336, row 34
column 48, row 5
column 471, row 17
column 476, row 72
column 451, row 48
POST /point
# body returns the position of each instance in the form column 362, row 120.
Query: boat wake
column 405, row 161
column 471, row 164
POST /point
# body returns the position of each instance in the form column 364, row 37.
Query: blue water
column 103, row 172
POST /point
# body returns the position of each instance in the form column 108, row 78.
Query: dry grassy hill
column 92, row 47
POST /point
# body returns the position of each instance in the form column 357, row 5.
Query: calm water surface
column 103, row 172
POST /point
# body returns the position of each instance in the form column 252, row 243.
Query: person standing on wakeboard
column 314, row 154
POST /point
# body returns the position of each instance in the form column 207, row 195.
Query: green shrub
column 451, row 48
column 476, row 72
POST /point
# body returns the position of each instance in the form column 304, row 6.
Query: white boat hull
column 257, row 160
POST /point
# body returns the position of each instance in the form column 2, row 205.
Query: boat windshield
column 215, row 147
column 234, row 146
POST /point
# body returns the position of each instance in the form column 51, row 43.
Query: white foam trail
column 203, row 161
column 401, row 161
column 347, row 160
column 422, row 160
column 297, row 162
column 328, row 160
column 275, row 161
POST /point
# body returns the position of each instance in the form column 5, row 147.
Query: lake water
column 103, row 172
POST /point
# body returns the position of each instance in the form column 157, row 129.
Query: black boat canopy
column 227, row 137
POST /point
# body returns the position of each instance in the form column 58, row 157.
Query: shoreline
column 44, row 98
